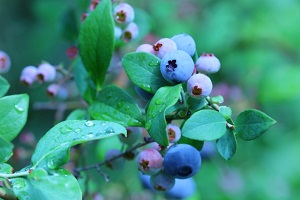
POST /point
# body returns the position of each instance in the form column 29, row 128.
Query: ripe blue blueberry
column 134, row 134
column 199, row 86
column 177, row 66
column 117, row 163
column 185, row 43
column 162, row 181
column 124, row 13
column 182, row 161
column 182, row 189
column 163, row 46
column 149, row 161
column 174, row 133
column 208, row 63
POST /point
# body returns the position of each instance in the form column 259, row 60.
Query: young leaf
column 85, row 86
column 225, row 111
column 227, row 144
column 6, row 149
column 13, row 115
column 143, row 70
column 115, row 104
column 5, row 169
column 53, row 149
column 96, row 42
column 205, row 125
column 156, row 124
column 4, row 86
column 252, row 123
column 58, row 184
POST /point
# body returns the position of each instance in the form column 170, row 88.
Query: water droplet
column 153, row 63
column 77, row 130
column 89, row 123
column 102, row 123
column 158, row 102
column 109, row 130
column 19, row 109
column 147, row 87
column 148, row 124
column 126, row 108
column 120, row 104
column 90, row 135
column 65, row 130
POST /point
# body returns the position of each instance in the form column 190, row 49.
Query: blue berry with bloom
column 185, row 43
column 124, row 13
column 163, row 46
column 162, row 181
column 199, row 86
column 177, row 66
column 208, row 63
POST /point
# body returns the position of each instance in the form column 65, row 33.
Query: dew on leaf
column 109, row 130
column 77, row 130
column 153, row 63
column 120, row 104
column 89, row 123
column 158, row 102
column 19, row 109
column 65, row 130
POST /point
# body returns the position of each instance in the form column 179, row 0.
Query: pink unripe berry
column 130, row 32
column 208, row 63
column 56, row 90
column 4, row 62
column 124, row 13
column 149, row 161
column 174, row 133
column 28, row 75
column 199, row 86
column 148, row 48
column 163, row 46
column 46, row 72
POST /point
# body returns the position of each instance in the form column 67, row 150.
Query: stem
column 7, row 194
column 17, row 174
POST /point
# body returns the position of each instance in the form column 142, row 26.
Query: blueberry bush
column 160, row 120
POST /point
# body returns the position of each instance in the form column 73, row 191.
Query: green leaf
column 227, row 144
column 115, row 104
column 205, row 125
column 13, row 115
column 252, row 123
column 96, row 42
column 143, row 69
column 85, row 85
column 58, row 184
column 5, row 169
column 156, row 124
column 196, row 104
column 77, row 114
column 6, row 149
column 4, row 86
column 225, row 111
column 195, row 143
column 53, row 149
column 217, row 99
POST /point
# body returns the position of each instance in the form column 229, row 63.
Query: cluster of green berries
column 125, row 27
column 177, row 64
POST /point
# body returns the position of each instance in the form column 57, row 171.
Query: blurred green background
column 258, row 44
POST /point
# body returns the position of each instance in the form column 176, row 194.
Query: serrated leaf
column 53, row 149
column 77, row 114
column 205, row 125
column 115, row 104
column 58, row 185
column 86, row 87
column 6, row 149
column 156, row 124
column 252, row 123
column 4, row 86
column 96, row 42
column 227, row 144
column 143, row 69
column 13, row 115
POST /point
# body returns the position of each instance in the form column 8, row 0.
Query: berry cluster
column 177, row 64
column 125, row 27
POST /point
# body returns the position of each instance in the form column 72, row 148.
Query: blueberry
column 208, row 63
column 162, row 181
column 185, row 43
column 163, row 46
column 124, row 13
column 130, row 32
column 46, row 72
column 145, row 48
column 28, row 75
column 174, row 133
column 177, row 66
column 182, row 161
column 5, row 62
column 199, row 86
column 182, row 189
column 56, row 90
column 149, row 161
